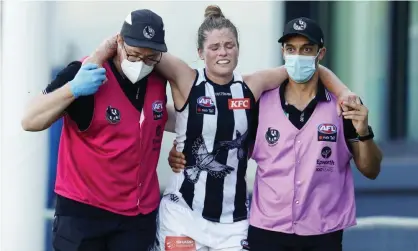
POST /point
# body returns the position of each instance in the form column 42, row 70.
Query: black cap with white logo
column 143, row 28
column 305, row 27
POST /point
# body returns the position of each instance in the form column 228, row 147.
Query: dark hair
column 214, row 20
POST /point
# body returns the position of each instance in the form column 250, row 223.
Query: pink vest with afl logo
column 112, row 165
column 304, row 183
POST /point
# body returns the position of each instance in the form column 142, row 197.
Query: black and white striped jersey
column 214, row 130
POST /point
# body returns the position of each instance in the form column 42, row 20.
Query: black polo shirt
column 81, row 112
column 299, row 118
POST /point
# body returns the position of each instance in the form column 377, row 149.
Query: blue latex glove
column 88, row 80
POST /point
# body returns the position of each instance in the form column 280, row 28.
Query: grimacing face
column 220, row 52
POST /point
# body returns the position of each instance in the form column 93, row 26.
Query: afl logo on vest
column 112, row 115
column 327, row 132
column 272, row 136
column 157, row 109
column 205, row 105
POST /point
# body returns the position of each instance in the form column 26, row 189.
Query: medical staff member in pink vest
column 106, row 185
column 303, row 195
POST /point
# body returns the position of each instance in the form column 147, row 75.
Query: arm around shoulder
column 180, row 76
column 332, row 82
column 264, row 80
column 175, row 70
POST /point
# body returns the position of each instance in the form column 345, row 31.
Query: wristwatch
column 367, row 137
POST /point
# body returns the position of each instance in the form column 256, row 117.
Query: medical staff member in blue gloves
column 106, row 185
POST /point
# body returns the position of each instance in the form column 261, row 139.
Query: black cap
column 143, row 28
column 305, row 27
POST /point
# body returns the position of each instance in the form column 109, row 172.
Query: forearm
column 175, row 70
column 171, row 121
column 96, row 58
column 105, row 51
column 331, row 81
column 368, row 159
column 44, row 110
column 268, row 79
column 272, row 78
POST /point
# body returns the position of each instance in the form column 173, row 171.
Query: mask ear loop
column 317, row 55
column 122, row 56
column 124, row 53
column 316, row 58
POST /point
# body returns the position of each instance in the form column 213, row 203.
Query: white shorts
column 180, row 229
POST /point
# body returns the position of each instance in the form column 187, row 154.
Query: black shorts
column 265, row 240
column 72, row 233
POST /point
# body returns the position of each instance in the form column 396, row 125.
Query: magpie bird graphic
column 205, row 161
column 237, row 143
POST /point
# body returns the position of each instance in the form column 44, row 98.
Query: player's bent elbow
column 371, row 172
column 27, row 126
column 30, row 125
column 372, row 176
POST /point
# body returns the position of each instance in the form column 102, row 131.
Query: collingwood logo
column 112, row 115
column 148, row 32
column 272, row 136
column 299, row 25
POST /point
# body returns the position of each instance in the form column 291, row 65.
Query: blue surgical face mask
column 300, row 68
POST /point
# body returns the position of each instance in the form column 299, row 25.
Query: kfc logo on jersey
column 239, row 103
column 157, row 109
column 205, row 105
column 327, row 132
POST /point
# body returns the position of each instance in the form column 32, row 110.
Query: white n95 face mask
column 135, row 71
